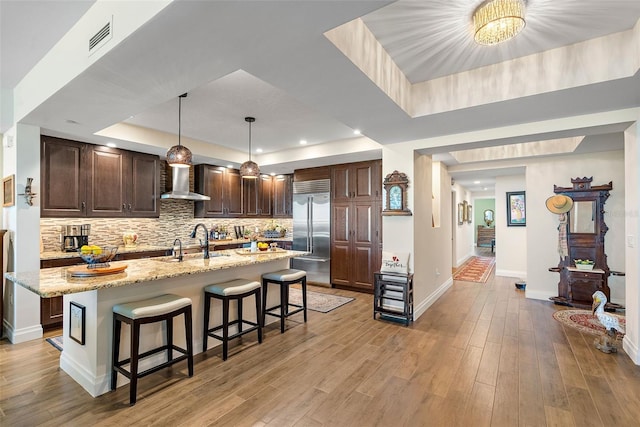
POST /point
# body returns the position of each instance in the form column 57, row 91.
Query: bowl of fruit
column 263, row 246
column 94, row 255
column 584, row 264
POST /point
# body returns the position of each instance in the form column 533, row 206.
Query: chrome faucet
column 206, row 238
column 179, row 250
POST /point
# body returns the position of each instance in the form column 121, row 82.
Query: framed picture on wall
column 469, row 214
column 77, row 318
column 465, row 211
column 8, row 193
column 460, row 213
column 516, row 209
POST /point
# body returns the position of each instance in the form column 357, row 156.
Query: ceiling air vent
column 101, row 37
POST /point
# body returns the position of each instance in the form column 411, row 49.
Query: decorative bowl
column 106, row 254
column 586, row 267
column 263, row 249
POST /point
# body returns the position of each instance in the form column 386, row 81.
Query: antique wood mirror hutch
column 585, row 231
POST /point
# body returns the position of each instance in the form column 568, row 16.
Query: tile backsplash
column 176, row 220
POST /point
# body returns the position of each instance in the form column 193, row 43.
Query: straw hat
column 559, row 203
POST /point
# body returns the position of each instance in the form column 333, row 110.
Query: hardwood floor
column 482, row 355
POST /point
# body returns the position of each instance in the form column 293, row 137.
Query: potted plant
column 584, row 264
column 273, row 230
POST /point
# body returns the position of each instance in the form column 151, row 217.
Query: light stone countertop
column 49, row 255
column 53, row 282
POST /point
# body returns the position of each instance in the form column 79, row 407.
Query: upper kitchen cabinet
column 224, row 186
column 256, row 196
column 356, row 181
column 282, row 196
column 62, row 178
column 84, row 180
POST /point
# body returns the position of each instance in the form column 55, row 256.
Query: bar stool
column 136, row 313
column 234, row 290
column 284, row 278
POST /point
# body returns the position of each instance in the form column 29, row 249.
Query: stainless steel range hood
column 181, row 187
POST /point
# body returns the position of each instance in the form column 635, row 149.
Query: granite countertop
column 53, row 282
column 49, row 255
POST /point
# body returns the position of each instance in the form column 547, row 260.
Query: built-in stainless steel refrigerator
column 311, row 229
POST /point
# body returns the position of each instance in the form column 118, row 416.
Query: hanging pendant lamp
column 179, row 156
column 249, row 169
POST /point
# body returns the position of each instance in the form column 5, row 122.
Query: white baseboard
column 631, row 349
column 93, row 385
column 512, row 273
column 539, row 295
column 17, row 336
column 429, row 300
column 463, row 259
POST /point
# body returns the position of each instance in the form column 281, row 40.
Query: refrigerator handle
column 309, row 207
column 311, row 223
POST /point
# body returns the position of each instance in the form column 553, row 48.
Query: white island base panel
column 90, row 364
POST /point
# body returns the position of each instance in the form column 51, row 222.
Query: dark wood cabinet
column 356, row 221
column 256, row 196
column 356, row 181
column 62, row 178
column 84, row 180
column 224, row 186
column 282, row 196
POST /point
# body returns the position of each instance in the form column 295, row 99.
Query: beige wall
column 463, row 233
column 511, row 242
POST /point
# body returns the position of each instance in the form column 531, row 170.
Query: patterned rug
column 475, row 269
column 56, row 342
column 584, row 320
column 317, row 301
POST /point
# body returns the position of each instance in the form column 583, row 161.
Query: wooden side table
column 393, row 296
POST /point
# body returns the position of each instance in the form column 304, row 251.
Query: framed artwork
column 516, row 209
column 460, row 213
column 465, row 211
column 77, row 318
column 469, row 214
column 395, row 185
column 8, row 191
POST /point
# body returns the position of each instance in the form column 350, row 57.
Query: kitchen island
column 89, row 363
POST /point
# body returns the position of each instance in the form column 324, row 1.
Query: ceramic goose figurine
column 610, row 323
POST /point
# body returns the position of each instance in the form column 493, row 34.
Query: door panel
column 233, row 189
column 144, row 187
column 340, row 260
column 363, row 268
column 340, row 227
column 340, row 190
column 62, row 177
column 107, row 188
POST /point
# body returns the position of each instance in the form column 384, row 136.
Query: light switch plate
column 631, row 241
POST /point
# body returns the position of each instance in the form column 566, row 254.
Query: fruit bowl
column 94, row 255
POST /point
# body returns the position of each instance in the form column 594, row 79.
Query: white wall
column 21, row 146
column 463, row 234
column 511, row 242
column 631, row 342
column 542, row 235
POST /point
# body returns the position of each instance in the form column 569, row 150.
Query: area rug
column 475, row 269
column 317, row 301
column 584, row 320
column 56, row 342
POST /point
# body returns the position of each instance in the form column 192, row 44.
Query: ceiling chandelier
column 249, row 169
column 179, row 156
column 495, row 21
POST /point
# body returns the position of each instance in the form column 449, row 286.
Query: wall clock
column 395, row 185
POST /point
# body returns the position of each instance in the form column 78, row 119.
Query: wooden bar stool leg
column 188, row 320
column 135, row 339
column 304, row 297
column 259, row 315
column 207, row 309
column 284, row 305
column 115, row 352
column 239, row 314
column 265, row 285
column 169, row 323
column 225, row 328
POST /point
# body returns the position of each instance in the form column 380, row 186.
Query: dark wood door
column 106, row 193
column 341, row 234
column 340, row 186
column 365, row 179
column 265, row 190
column 209, row 180
column 251, row 197
column 282, row 196
column 144, row 186
column 233, row 193
column 364, row 245
column 51, row 312
column 62, row 178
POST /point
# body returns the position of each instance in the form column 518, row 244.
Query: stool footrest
column 253, row 326
column 298, row 309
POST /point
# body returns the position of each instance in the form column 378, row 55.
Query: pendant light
column 179, row 156
column 249, row 169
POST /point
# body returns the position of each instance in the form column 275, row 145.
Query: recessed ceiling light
column 476, row 182
column 111, row 144
column 303, row 142
column 357, row 132
column 485, row 188
column 258, row 150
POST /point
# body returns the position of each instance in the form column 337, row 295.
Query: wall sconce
column 28, row 195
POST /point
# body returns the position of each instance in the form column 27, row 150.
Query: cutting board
column 247, row 251
column 83, row 271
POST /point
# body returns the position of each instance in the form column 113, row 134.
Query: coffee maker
column 73, row 237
